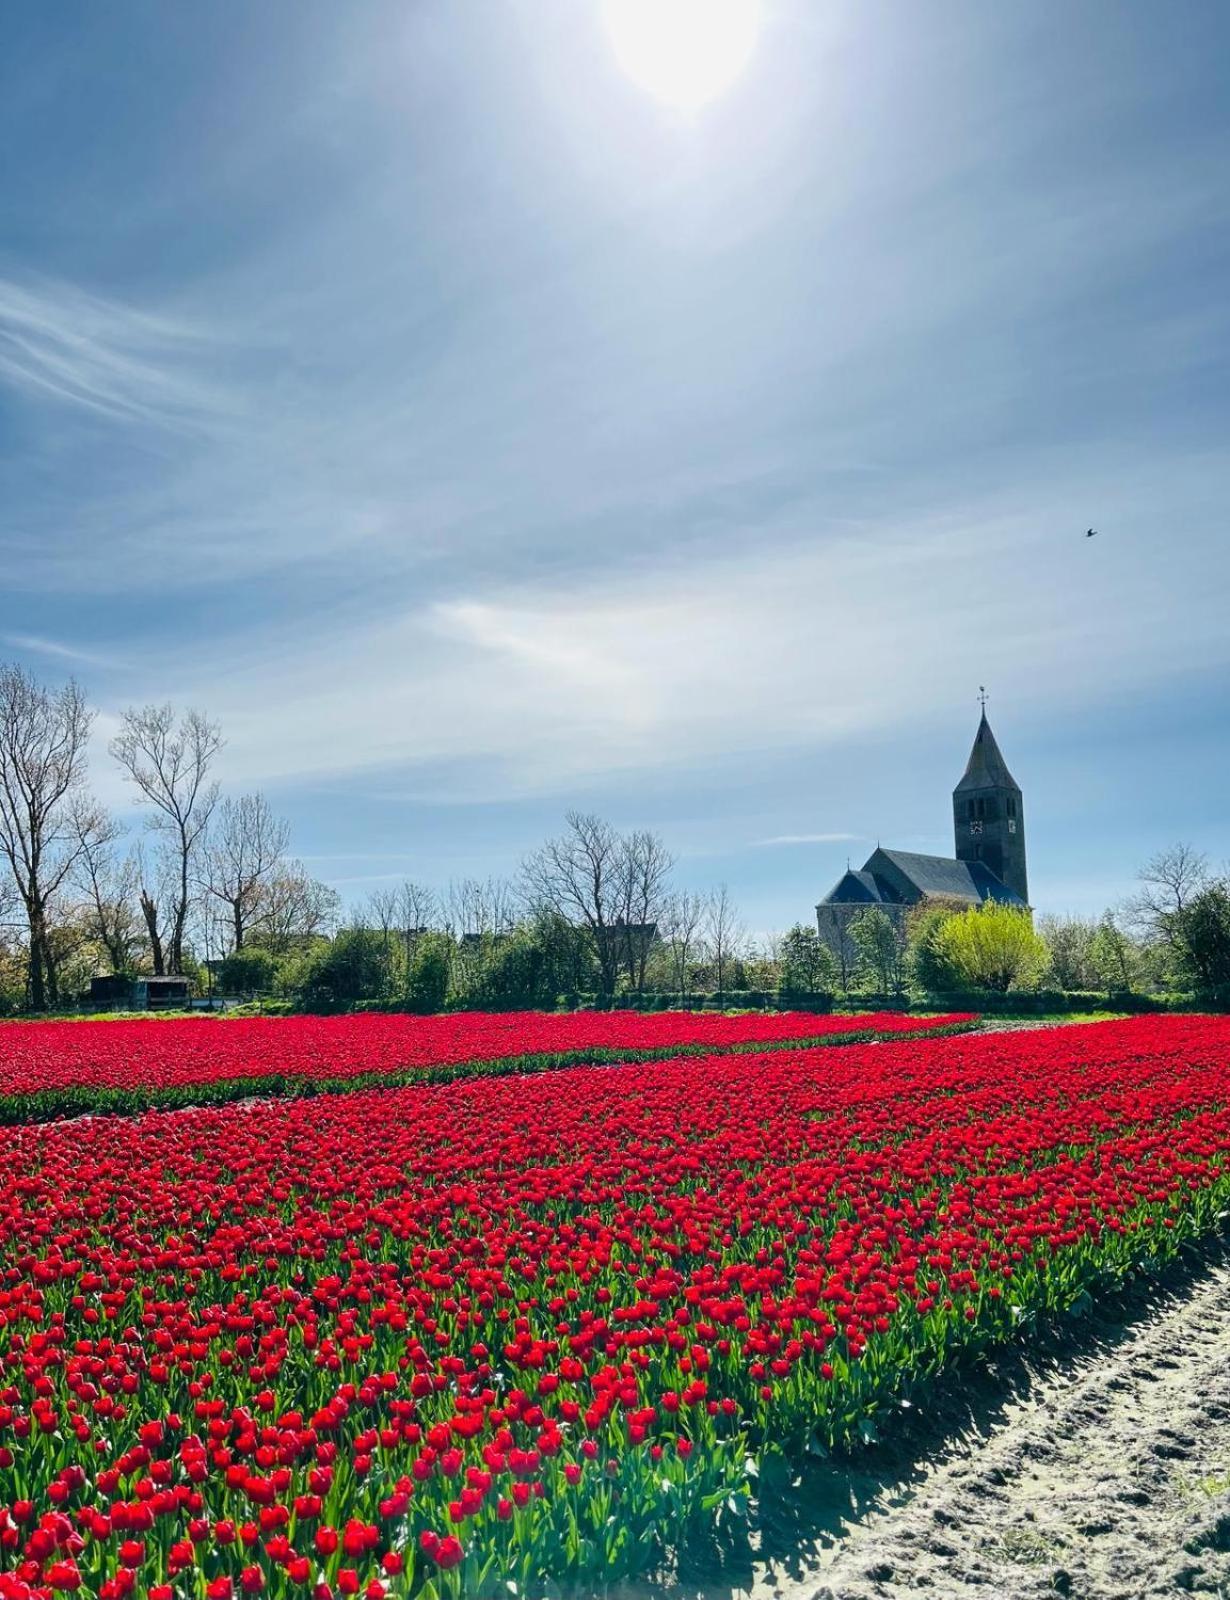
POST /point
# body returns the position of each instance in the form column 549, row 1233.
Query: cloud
column 512, row 691
column 55, row 650
column 808, row 838
column 114, row 360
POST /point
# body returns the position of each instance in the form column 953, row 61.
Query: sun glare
column 685, row 52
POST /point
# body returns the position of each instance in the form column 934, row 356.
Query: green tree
column 995, row 947
column 1114, row 957
column 1201, row 933
column 1071, row 944
column 807, row 964
column 877, row 939
column 927, row 965
column 248, row 970
column 427, row 977
column 353, row 966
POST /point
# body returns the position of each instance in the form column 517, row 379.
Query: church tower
column 988, row 816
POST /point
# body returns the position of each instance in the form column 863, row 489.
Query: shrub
column 248, row 971
column 353, row 966
column 994, row 947
column 428, row 974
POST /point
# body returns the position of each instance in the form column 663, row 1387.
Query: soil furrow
column 1109, row 1479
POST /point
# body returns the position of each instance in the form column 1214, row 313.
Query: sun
column 685, row 52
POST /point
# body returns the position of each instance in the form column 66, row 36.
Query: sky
column 477, row 434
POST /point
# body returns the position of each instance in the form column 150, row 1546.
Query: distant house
column 989, row 864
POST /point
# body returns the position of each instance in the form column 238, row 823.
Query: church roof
column 943, row 878
column 986, row 767
column 854, row 888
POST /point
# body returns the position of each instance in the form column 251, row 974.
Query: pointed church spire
column 986, row 767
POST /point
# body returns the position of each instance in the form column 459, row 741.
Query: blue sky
column 477, row 436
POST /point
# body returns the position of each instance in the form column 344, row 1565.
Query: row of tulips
column 66, row 1069
column 460, row 1340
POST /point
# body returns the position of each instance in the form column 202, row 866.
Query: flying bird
column 1091, row 533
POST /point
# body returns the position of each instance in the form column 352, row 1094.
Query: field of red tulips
column 62, row 1069
column 455, row 1339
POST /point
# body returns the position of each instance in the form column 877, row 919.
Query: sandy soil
column 1101, row 1472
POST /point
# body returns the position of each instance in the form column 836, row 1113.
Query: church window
column 1012, row 805
column 969, row 809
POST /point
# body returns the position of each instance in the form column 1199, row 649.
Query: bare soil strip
column 1100, row 1474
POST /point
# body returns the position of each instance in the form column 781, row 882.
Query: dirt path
column 1105, row 1476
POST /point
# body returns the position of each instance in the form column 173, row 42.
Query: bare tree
column 43, row 738
column 578, row 876
column 295, row 907
column 170, row 765
column 682, row 917
column 381, row 913
column 243, row 850
column 417, row 910
column 108, row 883
column 1167, row 883
column 151, row 895
column 723, row 931
column 645, row 866
column 475, row 907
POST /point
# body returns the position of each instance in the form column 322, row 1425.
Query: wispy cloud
column 520, row 692
column 56, row 651
column 807, row 838
column 114, row 360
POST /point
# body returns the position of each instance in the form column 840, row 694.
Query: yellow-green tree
column 993, row 946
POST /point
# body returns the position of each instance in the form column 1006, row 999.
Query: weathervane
column 982, row 695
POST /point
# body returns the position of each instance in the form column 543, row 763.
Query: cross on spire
column 982, row 695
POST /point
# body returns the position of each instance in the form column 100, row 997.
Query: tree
column 151, row 883
column 427, row 977
column 1169, row 880
column 170, row 765
column 248, row 970
column 294, row 908
column 243, row 850
column 1071, row 943
column 680, row 921
column 109, row 884
column 878, row 942
column 1200, row 931
column 807, row 963
column 417, row 911
column 351, row 967
column 723, row 933
column 926, row 963
column 381, row 914
column 1114, row 958
column 43, row 810
column 577, row 876
column 993, row 946
column 645, row 868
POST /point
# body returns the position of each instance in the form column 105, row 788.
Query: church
column 988, row 864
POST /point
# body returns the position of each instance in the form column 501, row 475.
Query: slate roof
column 942, row 877
column 855, row 888
column 986, row 767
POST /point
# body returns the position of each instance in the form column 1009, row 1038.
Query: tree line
column 208, row 889
column 1171, row 935
column 206, row 874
